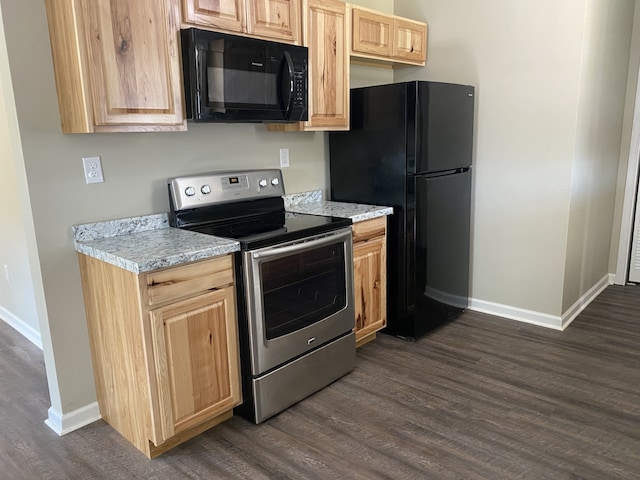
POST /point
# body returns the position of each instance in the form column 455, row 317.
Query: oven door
column 299, row 297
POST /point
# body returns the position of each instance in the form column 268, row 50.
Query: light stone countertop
column 146, row 243
column 143, row 244
column 313, row 204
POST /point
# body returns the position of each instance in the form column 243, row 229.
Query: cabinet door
column 371, row 33
column 369, row 271
column 326, row 34
column 224, row 14
column 195, row 351
column 134, row 63
column 410, row 41
column 274, row 19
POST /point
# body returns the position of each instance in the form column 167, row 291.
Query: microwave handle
column 287, row 84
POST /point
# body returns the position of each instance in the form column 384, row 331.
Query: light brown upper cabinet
column 381, row 37
column 326, row 34
column 326, row 24
column 117, row 65
column 277, row 20
column 220, row 14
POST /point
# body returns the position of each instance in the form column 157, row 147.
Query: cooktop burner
column 244, row 205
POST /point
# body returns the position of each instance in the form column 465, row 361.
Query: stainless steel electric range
column 294, row 284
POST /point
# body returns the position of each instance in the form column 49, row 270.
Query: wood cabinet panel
column 410, row 40
column 196, row 361
column 379, row 37
column 166, row 374
column 326, row 34
column 369, row 288
column 275, row 19
column 376, row 227
column 224, row 14
column 371, row 33
column 118, row 61
column 369, row 278
column 117, row 345
column 176, row 282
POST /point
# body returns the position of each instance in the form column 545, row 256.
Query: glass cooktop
column 263, row 230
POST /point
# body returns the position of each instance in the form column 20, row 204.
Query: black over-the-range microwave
column 228, row 78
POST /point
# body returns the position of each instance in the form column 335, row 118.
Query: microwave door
column 242, row 82
column 286, row 85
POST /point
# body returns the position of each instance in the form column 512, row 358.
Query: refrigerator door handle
column 442, row 173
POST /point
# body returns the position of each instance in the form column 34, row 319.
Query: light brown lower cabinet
column 369, row 278
column 164, row 346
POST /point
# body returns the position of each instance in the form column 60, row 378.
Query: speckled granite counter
column 313, row 204
column 142, row 244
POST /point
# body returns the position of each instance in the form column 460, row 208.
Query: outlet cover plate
column 284, row 157
column 92, row 169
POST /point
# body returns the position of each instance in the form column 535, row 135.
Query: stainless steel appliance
column 228, row 78
column 294, row 284
column 410, row 146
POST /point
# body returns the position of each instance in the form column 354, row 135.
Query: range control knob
column 262, row 183
column 275, row 181
column 190, row 191
column 206, row 189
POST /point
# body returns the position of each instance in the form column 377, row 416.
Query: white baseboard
column 25, row 330
column 514, row 313
column 571, row 314
column 63, row 424
column 542, row 319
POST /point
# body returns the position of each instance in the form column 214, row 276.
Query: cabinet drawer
column 174, row 283
column 368, row 229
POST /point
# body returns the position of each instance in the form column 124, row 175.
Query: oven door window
column 303, row 288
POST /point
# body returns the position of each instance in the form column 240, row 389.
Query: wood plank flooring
column 480, row 398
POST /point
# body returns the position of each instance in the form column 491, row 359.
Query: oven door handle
column 304, row 245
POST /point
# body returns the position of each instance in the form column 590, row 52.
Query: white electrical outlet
column 92, row 169
column 284, row 157
column 6, row 273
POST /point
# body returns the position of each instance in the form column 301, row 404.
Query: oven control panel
column 223, row 187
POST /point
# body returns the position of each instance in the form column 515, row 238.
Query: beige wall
column 605, row 61
column 17, row 295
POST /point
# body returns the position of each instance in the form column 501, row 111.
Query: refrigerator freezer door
column 444, row 127
column 368, row 163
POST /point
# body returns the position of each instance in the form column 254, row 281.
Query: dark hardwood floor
column 480, row 398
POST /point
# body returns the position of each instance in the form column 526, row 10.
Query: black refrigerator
column 410, row 147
